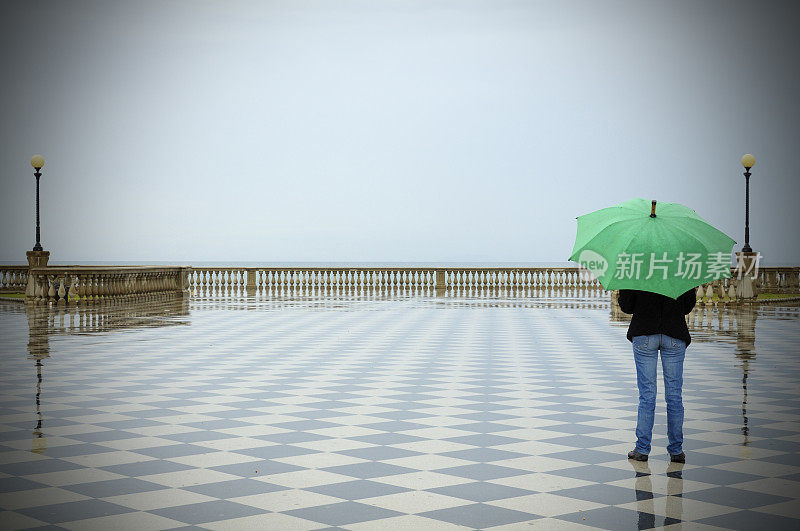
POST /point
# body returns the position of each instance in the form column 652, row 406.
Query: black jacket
column 656, row 314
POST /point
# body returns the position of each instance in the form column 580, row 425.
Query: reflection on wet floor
column 386, row 411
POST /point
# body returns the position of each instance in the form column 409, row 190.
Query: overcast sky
column 389, row 131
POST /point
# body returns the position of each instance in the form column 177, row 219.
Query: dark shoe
column 678, row 458
column 633, row 454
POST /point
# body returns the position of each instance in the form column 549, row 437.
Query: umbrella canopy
column 665, row 248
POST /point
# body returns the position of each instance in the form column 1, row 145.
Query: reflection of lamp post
column 39, row 443
column 745, row 351
column 748, row 161
column 38, row 349
column 37, row 161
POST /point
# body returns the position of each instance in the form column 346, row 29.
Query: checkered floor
column 395, row 414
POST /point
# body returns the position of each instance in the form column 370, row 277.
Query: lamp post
column 37, row 161
column 748, row 161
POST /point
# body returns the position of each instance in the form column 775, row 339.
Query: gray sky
column 389, row 131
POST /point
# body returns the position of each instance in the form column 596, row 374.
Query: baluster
column 72, row 289
column 89, row 288
column 50, row 291
column 39, row 281
column 136, row 285
column 709, row 292
column 720, row 289
column 732, row 289
column 97, row 288
column 699, row 294
column 80, row 289
column 62, row 292
column 108, row 287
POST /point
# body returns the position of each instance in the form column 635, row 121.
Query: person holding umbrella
column 658, row 323
column 655, row 261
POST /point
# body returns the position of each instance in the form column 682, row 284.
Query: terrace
column 383, row 409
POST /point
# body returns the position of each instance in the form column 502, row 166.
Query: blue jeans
column 645, row 354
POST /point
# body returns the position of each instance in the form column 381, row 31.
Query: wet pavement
column 418, row 413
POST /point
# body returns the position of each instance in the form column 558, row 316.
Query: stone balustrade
column 778, row 279
column 92, row 284
column 89, row 284
column 385, row 280
column 767, row 280
column 13, row 279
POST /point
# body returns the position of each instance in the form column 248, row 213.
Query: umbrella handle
column 653, row 209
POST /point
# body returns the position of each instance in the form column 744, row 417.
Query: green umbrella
column 660, row 247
